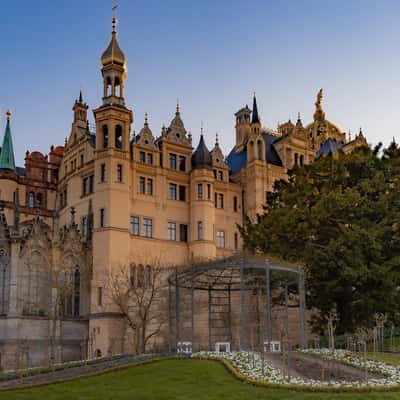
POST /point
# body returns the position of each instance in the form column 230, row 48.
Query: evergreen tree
column 340, row 217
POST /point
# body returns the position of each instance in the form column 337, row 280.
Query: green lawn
column 171, row 379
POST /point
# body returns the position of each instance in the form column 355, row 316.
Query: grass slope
column 171, row 379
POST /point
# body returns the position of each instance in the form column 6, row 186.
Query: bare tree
column 140, row 294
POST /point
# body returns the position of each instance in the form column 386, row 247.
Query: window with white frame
column 135, row 225
column 172, row 195
column 200, row 232
column 147, row 227
column 171, row 231
column 220, row 239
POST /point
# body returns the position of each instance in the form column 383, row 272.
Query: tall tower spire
column 7, row 161
column 255, row 119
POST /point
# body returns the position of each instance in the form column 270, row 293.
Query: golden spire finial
column 8, row 115
column 320, row 96
column 114, row 19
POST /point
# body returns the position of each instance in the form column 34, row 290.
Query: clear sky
column 211, row 55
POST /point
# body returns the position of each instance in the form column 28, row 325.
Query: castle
column 109, row 198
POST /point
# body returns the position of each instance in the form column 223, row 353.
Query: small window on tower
column 118, row 137
column 105, row 136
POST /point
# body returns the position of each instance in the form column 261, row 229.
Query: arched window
column 148, row 276
column 4, row 281
column 31, row 200
column 260, row 150
column 140, row 276
column 118, row 137
column 105, row 136
column 296, row 159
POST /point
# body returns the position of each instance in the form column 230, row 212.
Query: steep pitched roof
column 7, row 161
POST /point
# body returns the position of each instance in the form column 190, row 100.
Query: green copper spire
column 7, row 152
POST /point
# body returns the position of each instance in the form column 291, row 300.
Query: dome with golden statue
column 321, row 128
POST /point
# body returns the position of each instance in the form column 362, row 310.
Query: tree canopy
column 339, row 217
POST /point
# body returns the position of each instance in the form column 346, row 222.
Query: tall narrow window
column 142, row 184
column 147, row 277
column 172, row 161
column 77, row 283
column 236, row 241
column 182, row 163
column 208, row 191
column 140, row 276
column 99, row 296
column 142, row 157
column 135, row 227
column 171, row 231
column 39, row 200
column 221, row 175
column 119, row 173
column 150, row 186
column 84, row 226
column 182, row 193
column 220, row 200
column 105, row 136
column 81, row 160
column 301, row 159
column 200, row 230
column 91, row 183
column 150, row 158
column 172, row 191
column 199, row 191
column 118, row 137
column 102, row 217
column 85, row 183
column 220, row 239
column 31, row 200
column 296, row 159
column 103, row 172
column 148, row 227
column 235, row 204
column 183, row 232
column 132, row 276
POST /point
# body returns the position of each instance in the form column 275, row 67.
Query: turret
column 242, row 127
column 202, row 214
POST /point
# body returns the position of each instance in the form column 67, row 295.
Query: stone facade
column 109, row 198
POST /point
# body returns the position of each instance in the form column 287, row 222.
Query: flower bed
column 248, row 366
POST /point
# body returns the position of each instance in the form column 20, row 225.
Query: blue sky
column 211, row 55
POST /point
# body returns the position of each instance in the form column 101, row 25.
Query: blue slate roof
column 329, row 147
column 236, row 161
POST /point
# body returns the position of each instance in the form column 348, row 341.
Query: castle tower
column 111, row 205
column 80, row 112
column 202, row 210
column 242, row 127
